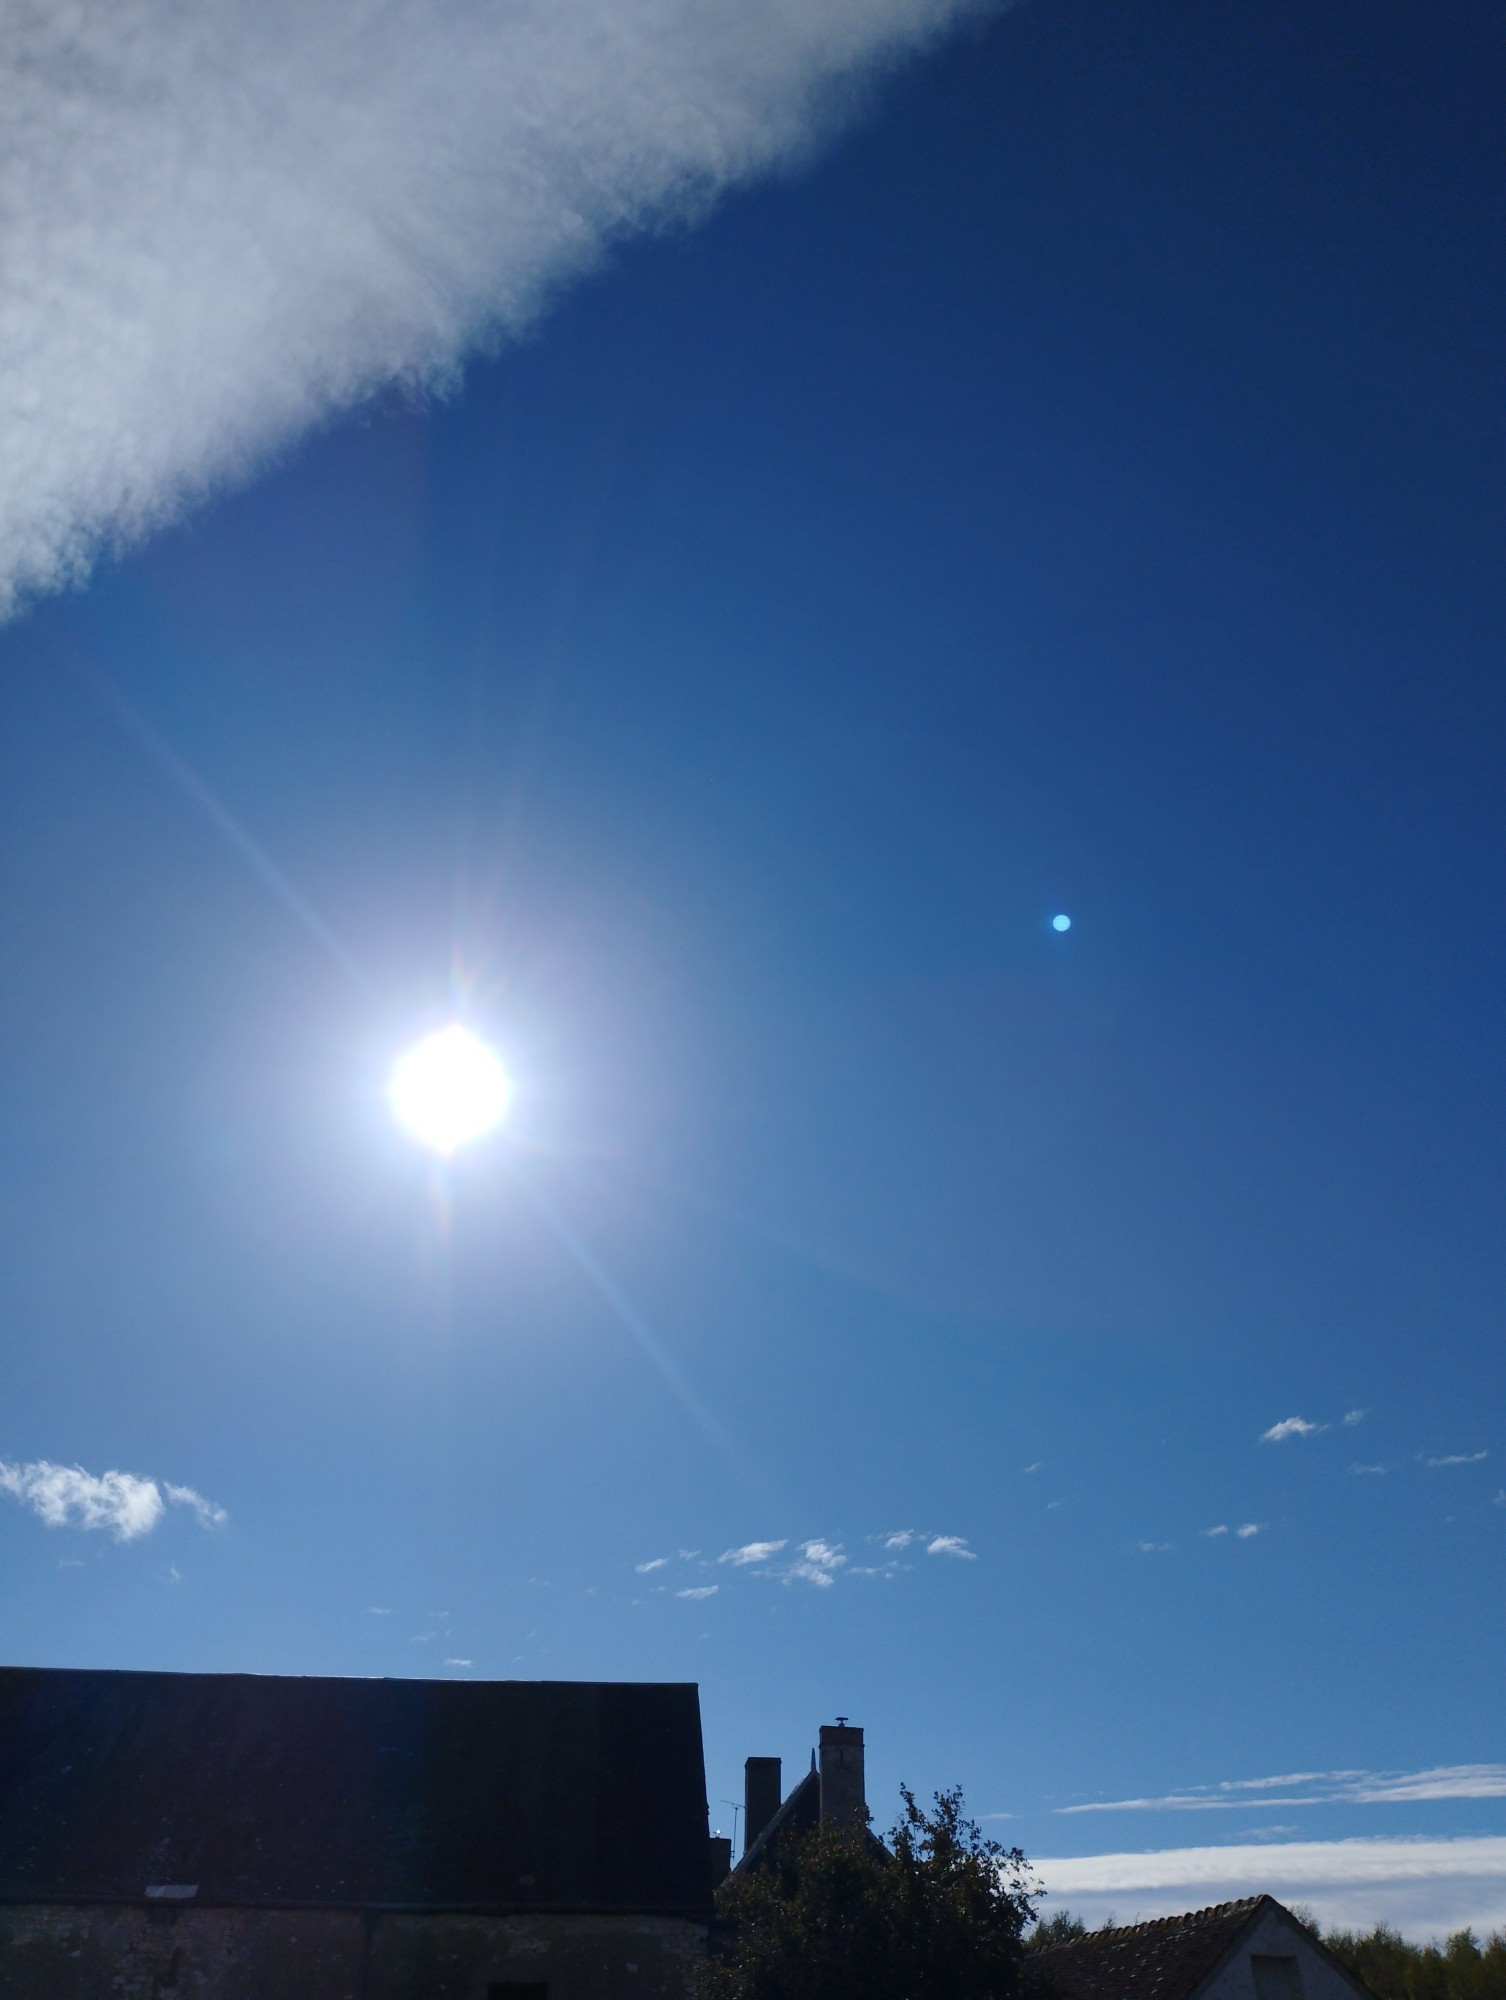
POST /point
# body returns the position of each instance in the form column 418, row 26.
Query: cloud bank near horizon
column 121, row 1503
column 1424, row 1887
column 224, row 223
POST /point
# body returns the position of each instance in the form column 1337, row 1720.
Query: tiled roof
column 1165, row 1960
column 243, row 1788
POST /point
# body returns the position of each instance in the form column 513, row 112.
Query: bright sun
column 449, row 1090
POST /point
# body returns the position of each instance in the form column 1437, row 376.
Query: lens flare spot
column 1061, row 923
column 449, row 1090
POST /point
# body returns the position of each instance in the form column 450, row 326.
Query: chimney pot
column 843, row 1801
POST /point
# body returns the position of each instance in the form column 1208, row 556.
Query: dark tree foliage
column 1460, row 1969
column 940, row 1916
column 1060, row 1928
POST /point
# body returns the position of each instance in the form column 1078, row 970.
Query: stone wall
column 131, row 1951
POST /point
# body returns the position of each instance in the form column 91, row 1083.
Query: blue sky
column 1060, row 476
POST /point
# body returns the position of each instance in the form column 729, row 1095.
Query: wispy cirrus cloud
column 696, row 1591
column 1424, row 1887
column 226, row 222
column 654, row 1562
column 1460, row 1458
column 1319, row 1788
column 1291, row 1427
column 122, row 1504
column 206, row 1512
column 1353, row 1417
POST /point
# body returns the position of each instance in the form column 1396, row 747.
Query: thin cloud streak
column 1316, row 1788
column 226, row 223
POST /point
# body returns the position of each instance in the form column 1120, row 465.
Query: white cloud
column 1460, row 1458
column 1369, row 1471
column 699, row 1590
column 207, row 1513
column 1318, row 1788
column 828, row 1555
column 1424, row 1887
column 1249, row 1530
column 1353, row 1417
column 1153, row 1548
column 1291, row 1427
column 225, row 221
column 646, row 1569
column 65, row 1496
column 379, row 1611
column 951, row 1545
column 460, row 1663
column 751, row 1552
column 1500, row 1499
column 1221, row 1529
column 901, row 1539
column 819, row 1562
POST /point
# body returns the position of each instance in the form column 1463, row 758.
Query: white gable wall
column 1278, row 1935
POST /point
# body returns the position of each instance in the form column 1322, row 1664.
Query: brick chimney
column 842, row 1797
column 761, row 1796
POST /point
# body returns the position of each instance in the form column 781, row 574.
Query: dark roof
column 1165, row 1960
column 800, row 1812
column 496, row 1795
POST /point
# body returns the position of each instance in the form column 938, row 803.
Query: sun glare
column 449, row 1090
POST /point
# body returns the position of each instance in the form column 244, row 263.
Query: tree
column 1396, row 1969
column 1060, row 1928
column 939, row 1915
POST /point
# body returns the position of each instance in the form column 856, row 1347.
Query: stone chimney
column 761, row 1796
column 842, row 1798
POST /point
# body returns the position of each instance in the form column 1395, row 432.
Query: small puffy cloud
column 827, row 1555
column 819, row 1563
column 1250, row 1530
column 699, row 1590
column 751, row 1552
column 951, row 1545
column 1460, row 1458
column 65, row 1496
column 1221, row 1529
column 1291, row 1427
column 1152, row 1548
column 460, row 1663
column 657, row 1562
column 900, row 1539
column 379, row 1611
column 205, row 1511
column 1352, row 1417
